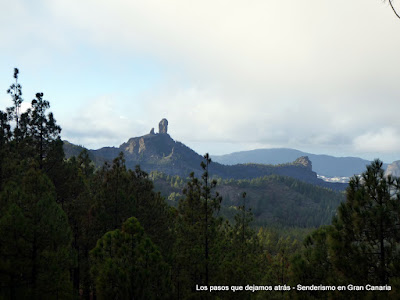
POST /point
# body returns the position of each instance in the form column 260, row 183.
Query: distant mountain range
column 159, row 152
column 325, row 165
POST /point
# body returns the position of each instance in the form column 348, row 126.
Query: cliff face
column 150, row 147
column 303, row 161
column 159, row 152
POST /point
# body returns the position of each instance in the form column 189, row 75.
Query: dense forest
column 275, row 200
column 69, row 230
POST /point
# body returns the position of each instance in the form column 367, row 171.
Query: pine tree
column 366, row 230
column 14, row 111
column 5, row 134
column 43, row 128
column 313, row 266
column 35, row 240
column 361, row 246
column 197, row 233
column 127, row 265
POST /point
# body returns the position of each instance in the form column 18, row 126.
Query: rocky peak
column 163, row 126
column 152, row 131
column 303, row 161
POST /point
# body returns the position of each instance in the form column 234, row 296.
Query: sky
column 319, row 76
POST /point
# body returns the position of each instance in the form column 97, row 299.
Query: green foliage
column 113, row 195
column 35, row 239
column 61, row 234
column 53, row 211
column 242, row 261
column 274, row 200
column 120, row 193
column 197, row 231
column 313, row 266
column 43, row 129
column 361, row 247
column 366, row 232
column 14, row 111
column 173, row 199
column 127, row 265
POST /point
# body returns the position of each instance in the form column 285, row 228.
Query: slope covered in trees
column 69, row 231
column 53, row 210
column 274, row 200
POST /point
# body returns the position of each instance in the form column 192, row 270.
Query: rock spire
column 163, row 126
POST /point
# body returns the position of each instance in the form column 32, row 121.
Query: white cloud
column 99, row 123
column 275, row 73
column 263, row 43
column 384, row 140
column 4, row 102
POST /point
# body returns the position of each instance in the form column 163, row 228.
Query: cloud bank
column 313, row 75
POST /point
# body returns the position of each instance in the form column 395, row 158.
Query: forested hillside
column 274, row 200
column 70, row 231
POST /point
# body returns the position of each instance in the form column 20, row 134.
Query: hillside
column 159, row 152
column 325, row 165
column 274, row 200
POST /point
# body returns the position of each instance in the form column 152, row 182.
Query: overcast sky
column 320, row 76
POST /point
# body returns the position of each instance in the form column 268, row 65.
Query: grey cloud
column 320, row 74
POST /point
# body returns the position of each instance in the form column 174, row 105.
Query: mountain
column 159, row 152
column 74, row 150
column 325, row 165
column 71, row 149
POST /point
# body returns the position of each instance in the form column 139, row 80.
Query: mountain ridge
column 323, row 164
column 159, row 152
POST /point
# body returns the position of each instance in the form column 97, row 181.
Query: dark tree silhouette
column 15, row 91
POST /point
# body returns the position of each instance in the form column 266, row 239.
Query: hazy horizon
column 195, row 147
column 320, row 77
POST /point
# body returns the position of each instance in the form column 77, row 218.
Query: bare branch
column 394, row 10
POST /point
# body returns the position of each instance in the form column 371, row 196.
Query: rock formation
column 142, row 146
column 163, row 126
column 303, row 161
column 152, row 131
